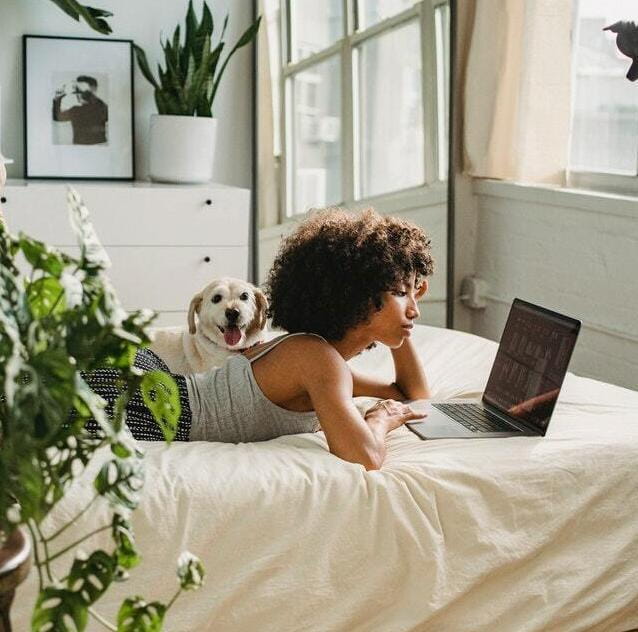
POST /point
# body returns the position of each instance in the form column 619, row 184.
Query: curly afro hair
column 330, row 274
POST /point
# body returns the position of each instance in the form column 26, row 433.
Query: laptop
column 523, row 386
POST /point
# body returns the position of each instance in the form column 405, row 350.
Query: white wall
column 573, row 252
column 141, row 21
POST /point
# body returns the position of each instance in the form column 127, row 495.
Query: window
column 363, row 87
column 604, row 137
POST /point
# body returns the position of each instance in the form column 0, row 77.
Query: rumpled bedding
column 519, row 534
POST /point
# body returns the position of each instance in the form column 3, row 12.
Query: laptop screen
column 531, row 363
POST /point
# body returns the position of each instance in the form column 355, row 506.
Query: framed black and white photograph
column 78, row 108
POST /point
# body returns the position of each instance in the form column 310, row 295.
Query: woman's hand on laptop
column 392, row 413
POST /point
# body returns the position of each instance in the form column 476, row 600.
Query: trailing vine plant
column 57, row 322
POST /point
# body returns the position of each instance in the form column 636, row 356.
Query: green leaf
column 162, row 103
column 92, row 16
column 176, row 39
column 125, row 553
column 161, row 396
column 94, row 403
column 197, row 86
column 19, row 377
column 55, row 607
column 8, row 247
column 30, row 489
column 203, row 107
column 172, row 79
column 203, row 35
column 206, row 25
column 41, row 257
column 142, row 62
column 45, row 297
column 136, row 615
column 120, row 481
column 191, row 32
column 91, row 577
column 247, row 37
column 92, row 250
column 221, row 37
column 190, row 571
column 55, row 382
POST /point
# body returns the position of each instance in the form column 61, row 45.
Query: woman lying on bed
column 340, row 283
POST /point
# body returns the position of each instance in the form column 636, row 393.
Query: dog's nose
column 231, row 315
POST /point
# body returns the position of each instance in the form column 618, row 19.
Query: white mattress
column 520, row 534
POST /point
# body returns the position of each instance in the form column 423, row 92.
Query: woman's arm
column 410, row 375
column 410, row 383
column 328, row 381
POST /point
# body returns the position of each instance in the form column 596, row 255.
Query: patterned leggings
column 138, row 417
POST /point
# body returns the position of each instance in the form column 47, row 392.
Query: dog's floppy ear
column 196, row 303
column 261, row 302
column 262, row 308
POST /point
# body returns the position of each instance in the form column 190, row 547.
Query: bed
column 520, row 534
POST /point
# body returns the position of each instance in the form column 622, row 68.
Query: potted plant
column 58, row 322
column 182, row 134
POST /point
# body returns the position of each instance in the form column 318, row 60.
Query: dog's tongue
column 232, row 335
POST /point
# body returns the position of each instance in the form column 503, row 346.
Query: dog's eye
column 217, row 298
column 243, row 296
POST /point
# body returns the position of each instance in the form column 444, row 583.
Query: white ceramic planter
column 182, row 148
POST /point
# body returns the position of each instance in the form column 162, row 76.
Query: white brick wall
column 573, row 252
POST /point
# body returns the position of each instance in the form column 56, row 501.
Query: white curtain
column 518, row 90
column 268, row 190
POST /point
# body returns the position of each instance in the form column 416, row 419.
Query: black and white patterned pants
column 138, row 417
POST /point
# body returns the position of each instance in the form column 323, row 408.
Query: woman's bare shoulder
column 310, row 343
column 304, row 346
column 319, row 369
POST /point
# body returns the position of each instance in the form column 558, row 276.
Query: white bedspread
column 520, row 534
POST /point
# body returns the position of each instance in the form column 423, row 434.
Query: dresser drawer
column 134, row 215
column 166, row 278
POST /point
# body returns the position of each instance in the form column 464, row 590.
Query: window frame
column 346, row 49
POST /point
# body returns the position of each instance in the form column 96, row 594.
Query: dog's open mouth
column 232, row 334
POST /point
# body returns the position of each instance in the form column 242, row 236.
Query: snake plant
column 189, row 83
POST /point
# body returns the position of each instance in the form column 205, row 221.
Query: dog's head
column 230, row 312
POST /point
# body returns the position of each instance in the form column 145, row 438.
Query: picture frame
column 78, row 108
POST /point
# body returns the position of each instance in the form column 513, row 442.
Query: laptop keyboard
column 475, row 418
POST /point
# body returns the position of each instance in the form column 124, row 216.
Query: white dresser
column 165, row 241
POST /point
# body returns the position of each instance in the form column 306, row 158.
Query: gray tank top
column 228, row 405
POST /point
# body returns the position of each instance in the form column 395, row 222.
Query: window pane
column 314, row 26
column 605, row 116
column 442, row 28
column 316, row 164
column 373, row 11
column 390, row 112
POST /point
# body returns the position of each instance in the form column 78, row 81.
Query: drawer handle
column 207, row 259
column 3, row 200
column 209, row 201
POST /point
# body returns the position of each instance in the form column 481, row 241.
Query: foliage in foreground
column 59, row 321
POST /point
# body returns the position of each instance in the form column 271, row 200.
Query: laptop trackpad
column 437, row 425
